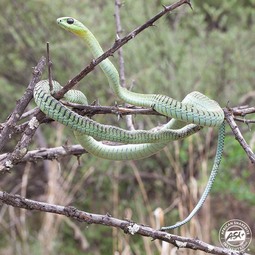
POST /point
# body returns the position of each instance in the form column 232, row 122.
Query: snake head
column 72, row 25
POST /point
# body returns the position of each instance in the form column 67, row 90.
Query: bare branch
column 21, row 154
column 129, row 118
column 49, row 64
column 21, row 148
column 118, row 35
column 243, row 120
column 242, row 110
column 8, row 127
column 90, row 110
column 238, row 134
column 49, row 153
column 129, row 227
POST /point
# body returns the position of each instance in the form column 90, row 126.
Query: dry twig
column 127, row 226
column 8, row 128
column 238, row 135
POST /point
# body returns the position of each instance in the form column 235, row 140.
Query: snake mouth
column 61, row 22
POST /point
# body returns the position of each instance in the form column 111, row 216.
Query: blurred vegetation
column 210, row 49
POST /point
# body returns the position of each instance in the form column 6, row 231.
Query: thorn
column 117, row 38
column 78, row 157
column 118, row 114
column 189, row 3
column 228, row 106
column 119, row 3
column 165, row 7
column 249, row 126
column 247, row 123
column 108, row 215
column 176, row 245
column 93, row 102
column 97, row 102
column 132, row 35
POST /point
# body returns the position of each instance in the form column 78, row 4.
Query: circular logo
column 235, row 235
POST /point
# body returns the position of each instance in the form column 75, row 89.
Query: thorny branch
column 8, row 128
column 129, row 118
column 238, row 135
column 49, row 153
column 128, row 226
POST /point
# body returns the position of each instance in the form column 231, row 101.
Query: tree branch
column 238, row 135
column 8, row 128
column 7, row 160
column 129, row 118
column 91, row 110
column 49, row 153
column 129, row 227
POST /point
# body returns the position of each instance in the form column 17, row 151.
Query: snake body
column 201, row 112
column 139, row 151
column 130, row 151
column 57, row 111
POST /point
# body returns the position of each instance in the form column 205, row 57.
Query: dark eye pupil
column 70, row 21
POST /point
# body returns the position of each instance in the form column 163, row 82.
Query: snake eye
column 70, row 21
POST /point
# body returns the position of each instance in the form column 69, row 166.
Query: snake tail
column 210, row 182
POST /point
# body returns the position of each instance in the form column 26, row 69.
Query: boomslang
column 202, row 112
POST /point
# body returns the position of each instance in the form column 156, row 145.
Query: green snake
column 57, row 111
column 130, row 151
column 202, row 113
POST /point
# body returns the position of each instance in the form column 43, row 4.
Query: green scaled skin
column 57, row 111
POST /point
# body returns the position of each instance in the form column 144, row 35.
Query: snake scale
column 196, row 110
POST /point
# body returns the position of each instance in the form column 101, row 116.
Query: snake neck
column 109, row 70
column 162, row 104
